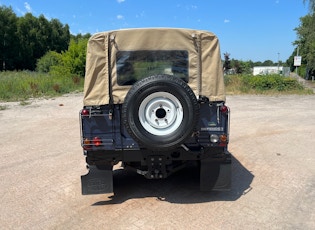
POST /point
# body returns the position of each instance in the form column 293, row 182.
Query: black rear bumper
column 215, row 169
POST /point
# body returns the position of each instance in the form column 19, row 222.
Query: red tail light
column 97, row 141
column 85, row 112
column 224, row 109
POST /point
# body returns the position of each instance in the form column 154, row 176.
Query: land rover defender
column 154, row 101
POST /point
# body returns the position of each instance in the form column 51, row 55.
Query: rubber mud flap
column 209, row 173
column 97, row 181
column 215, row 176
column 224, row 180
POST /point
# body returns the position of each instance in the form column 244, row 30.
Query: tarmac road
column 273, row 146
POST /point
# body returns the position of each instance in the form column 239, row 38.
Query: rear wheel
column 160, row 112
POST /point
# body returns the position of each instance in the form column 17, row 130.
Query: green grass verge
column 264, row 84
column 19, row 86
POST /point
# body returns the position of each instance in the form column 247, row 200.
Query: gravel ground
column 273, row 146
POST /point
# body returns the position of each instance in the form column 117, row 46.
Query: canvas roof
column 205, row 68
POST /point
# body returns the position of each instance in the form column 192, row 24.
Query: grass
column 265, row 85
column 22, row 85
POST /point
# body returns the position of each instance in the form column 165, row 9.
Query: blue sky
column 256, row 30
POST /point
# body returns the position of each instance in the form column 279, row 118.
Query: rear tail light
column 85, row 112
column 88, row 143
column 97, row 141
column 224, row 108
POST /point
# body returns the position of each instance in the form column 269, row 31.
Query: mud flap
column 223, row 182
column 215, row 176
column 97, row 181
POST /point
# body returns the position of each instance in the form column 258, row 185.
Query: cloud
column 27, row 7
column 277, row 1
column 226, row 20
column 119, row 17
column 120, row 1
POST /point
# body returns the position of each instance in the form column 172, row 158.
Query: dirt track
column 273, row 147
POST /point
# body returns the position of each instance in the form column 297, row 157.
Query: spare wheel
column 160, row 112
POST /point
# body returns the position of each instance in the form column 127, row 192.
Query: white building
column 264, row 70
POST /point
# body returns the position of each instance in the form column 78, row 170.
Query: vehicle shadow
column 181, row 187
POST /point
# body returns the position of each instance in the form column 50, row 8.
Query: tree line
column 233, row 66
column 23, row 40
column 305, row 43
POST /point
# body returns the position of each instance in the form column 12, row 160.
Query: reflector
column 86, row 144
column 223, row 138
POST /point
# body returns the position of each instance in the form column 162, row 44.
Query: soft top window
column 135, row 65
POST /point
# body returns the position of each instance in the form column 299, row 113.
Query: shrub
column 271, row 82
column 262, row 84
column 72, row 61
column 51, row 58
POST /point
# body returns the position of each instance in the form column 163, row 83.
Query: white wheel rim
column 161, row 113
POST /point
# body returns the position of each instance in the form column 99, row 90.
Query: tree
column 267, row 63
column 59, row 36
column 75, row 57
column 25, row 39
column 227, row 63
column 311, row 4
column 51, row 58
column 73, row 60
column 241, row 67
column 26, row 31
column 37, row 36
column 8, row 39
column 306, row 41
column 80, row 36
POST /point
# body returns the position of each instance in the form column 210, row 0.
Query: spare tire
column 160, row 112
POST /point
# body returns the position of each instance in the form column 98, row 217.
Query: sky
column 255, row 30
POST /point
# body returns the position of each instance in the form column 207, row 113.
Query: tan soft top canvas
column 205, row 68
